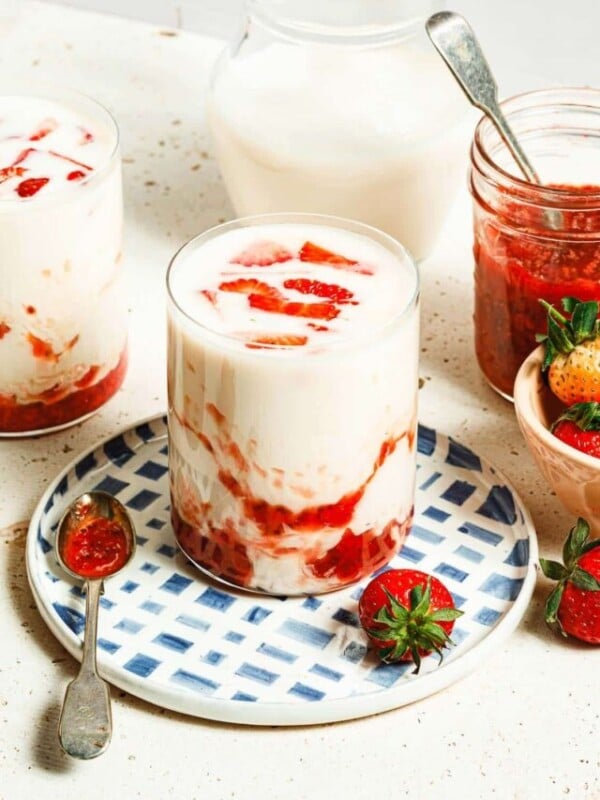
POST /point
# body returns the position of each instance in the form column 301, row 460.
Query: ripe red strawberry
column 573, row 351
column 11, row 172
column 31, row 186
column 277, row 305
column 262, row 254
column 333, row 292
column 250, row 286
column 574, row 605
column 407, row 614
column 579, row 427
column 44, row 128
column 319, row 255
column 277, row 340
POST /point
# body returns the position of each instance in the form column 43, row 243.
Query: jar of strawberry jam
column 534, row 241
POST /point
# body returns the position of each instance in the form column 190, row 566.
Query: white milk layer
column 377, row 135
column 42, row 140
column 214, row 285
column 62, row 307
column 297, row 428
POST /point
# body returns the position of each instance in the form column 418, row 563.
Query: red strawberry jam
column 96, row 549
column 519, row 258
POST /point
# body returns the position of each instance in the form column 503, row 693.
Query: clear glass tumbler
column 63, row 315
column 292, row 455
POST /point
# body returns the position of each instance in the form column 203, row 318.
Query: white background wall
column 508, row 29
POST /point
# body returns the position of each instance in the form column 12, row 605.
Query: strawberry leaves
column 412, row 628
column 563, row 334
column 585, row 415
column 575, row 546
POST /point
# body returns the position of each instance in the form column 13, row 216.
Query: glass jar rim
column 536, row 194
column 286, row 217
column 360, row 34
column 48, row 91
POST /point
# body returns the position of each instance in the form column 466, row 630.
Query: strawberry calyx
column 585, row 415
column 577, row 544
column 564, row 334
column 413, row 630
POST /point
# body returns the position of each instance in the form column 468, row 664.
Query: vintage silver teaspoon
column 94, row 541
column 455, row 41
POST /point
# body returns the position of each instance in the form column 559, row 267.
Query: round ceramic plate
column 170, row 635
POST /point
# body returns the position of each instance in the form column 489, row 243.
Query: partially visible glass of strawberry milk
column 63, row 317
column 292, row 378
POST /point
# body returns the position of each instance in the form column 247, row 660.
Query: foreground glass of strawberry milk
column 63, row 317
column 292, row 378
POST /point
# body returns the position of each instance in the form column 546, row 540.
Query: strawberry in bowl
column 579, row 427
column 572, row 351
column 557, row 397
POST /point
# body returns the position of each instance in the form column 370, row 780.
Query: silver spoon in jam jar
column 94, row 541
column 455, row 41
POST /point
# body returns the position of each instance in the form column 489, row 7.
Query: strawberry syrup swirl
column 222, row 549
column 62, row 403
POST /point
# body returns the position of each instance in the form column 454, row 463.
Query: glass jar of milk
column 341, row 107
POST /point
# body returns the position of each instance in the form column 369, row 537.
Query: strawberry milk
column 292, row 377
column 62, row 309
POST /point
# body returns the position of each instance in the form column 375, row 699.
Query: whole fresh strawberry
column 407, row 614
column 574, row 605
column 573, row 351
column 579, row 427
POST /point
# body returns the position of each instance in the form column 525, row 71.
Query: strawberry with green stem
column 572, row 356
column 407, row 614
column 573, row 607
column 579, row 427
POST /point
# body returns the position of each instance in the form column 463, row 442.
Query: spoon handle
column 457, row 44
column 85, row 725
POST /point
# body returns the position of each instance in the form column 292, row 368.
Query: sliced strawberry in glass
column 262, row 254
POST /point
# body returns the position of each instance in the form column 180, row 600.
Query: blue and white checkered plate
column 171, row 636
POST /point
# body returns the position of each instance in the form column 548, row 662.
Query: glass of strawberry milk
column 292, row 381
column 63, row 317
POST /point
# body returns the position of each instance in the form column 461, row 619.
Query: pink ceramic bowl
column 574, row 476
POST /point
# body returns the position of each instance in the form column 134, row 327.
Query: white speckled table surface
column 524, row 726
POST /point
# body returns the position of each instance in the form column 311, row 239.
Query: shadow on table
column 46, row 751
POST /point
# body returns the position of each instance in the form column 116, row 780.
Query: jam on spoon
column 95, row 540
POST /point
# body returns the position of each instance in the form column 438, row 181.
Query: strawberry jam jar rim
column 285, row 20
column 492, row 185
column 297, row 218
column 74, row 101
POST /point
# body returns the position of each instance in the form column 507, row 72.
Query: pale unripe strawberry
column 573, row 351
column 575, row 378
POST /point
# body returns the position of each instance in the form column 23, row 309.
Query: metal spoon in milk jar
column 94, row 541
